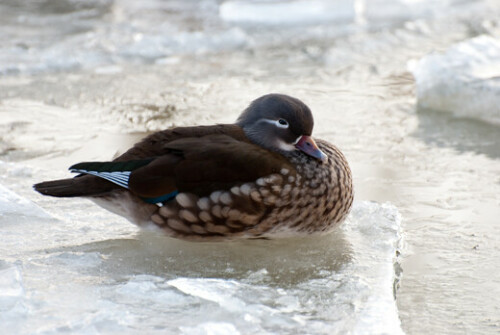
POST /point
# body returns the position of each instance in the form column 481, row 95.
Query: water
column 84, row 80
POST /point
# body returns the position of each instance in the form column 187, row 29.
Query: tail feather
column 79, row 186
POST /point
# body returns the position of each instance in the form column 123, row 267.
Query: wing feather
column 199, row 160
column 204, row 165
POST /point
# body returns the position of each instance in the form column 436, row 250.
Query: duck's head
column 280, row 123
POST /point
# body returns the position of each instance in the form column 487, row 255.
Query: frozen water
column 465, row 80
column 339, row 283
column 103, row 33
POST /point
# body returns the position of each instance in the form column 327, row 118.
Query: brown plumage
column 261, row 177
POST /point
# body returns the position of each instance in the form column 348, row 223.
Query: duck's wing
column 98, row 178
column 203, row 165
column 198, row 165
column 156, row 144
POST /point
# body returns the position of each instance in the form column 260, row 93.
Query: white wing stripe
column 116, row 176
column 120, row 178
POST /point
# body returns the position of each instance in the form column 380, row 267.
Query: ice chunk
column 211, row 328
column 13, row 308
column 214, row 290
column 13, row 207
column 156, row 46
column 465, row 80
column 390, row 11
column 10, row 282
column 357, row 298
column 149, row 290
column 287, row 12
column 339, row 283
column 378, row 240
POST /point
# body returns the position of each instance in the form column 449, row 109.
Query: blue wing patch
column 162, row 198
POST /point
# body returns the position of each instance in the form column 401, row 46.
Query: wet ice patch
column 21, row 131
column 465, row 80
column 76, row 260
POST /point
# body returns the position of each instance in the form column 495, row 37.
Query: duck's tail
column 80, row 186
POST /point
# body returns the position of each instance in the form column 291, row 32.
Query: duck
column 262, row 177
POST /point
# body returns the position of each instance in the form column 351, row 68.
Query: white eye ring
column 281, row 123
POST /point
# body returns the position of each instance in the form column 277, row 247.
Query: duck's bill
column 307, row 145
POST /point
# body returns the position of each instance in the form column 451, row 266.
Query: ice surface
column 340, row 283
column 465, row 80
column 132, row 33
column 112, row 34
column 124, row 47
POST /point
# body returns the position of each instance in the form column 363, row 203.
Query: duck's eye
column 282, row 123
